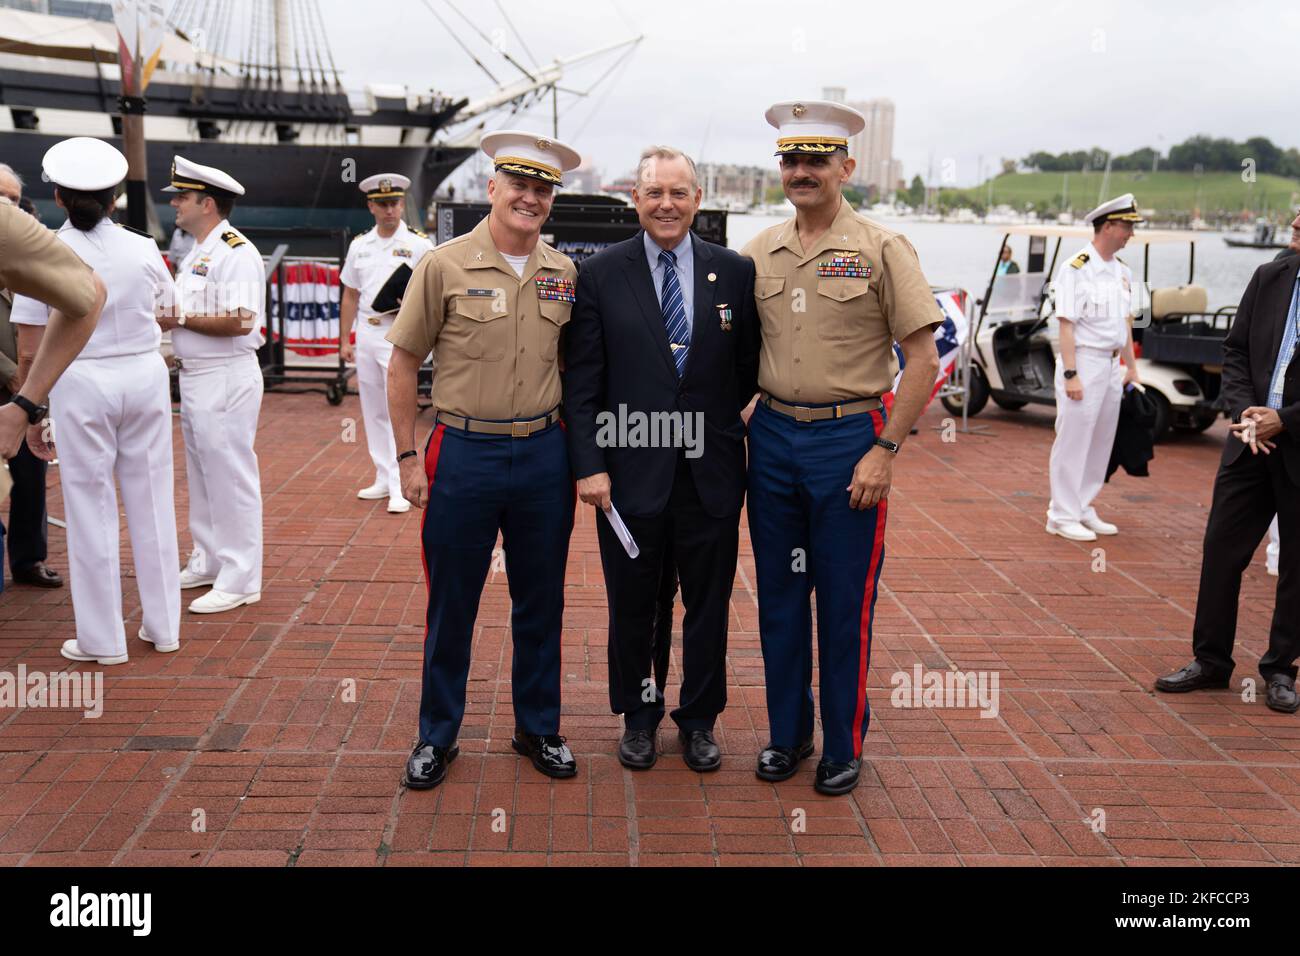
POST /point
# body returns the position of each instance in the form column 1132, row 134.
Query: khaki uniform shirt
column 34, row 263
column 831, row 314
column 494, row 335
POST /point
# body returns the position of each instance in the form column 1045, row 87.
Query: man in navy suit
column 661, row 357
column 1261, row 386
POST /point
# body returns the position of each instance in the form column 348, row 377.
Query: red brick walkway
column 283, row 728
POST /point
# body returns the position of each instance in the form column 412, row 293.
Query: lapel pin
column 713, row 277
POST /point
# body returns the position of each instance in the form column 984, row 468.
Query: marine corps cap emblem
column 543, row 144
column 799, row 109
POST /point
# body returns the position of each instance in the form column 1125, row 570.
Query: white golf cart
column 1013, row 355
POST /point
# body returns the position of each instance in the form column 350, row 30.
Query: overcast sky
column 992, row 78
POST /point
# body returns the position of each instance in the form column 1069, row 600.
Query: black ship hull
column 288, row 185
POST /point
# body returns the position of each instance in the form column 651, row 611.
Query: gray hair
column 7, row 170
column 651, row 153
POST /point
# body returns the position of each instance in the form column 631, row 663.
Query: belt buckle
column 373, row 320
column 802, row 414
column 519, row 429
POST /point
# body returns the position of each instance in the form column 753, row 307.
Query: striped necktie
column 673, row 307
column 1286, row 354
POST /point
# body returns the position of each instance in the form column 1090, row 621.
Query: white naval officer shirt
column 372, row 260
column 221, row 274
column 136, row 278
column 1098, row 297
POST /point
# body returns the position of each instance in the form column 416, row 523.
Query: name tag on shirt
column 555, row 289
column 485, row 293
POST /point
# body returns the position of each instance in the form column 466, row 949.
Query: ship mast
column 283, row 34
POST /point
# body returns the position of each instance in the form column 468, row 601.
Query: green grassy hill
column 1169, row 193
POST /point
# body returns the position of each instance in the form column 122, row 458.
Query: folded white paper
column 620, row 529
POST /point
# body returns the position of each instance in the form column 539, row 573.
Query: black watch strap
column 405, row 455
column 35, row 413
column 888, row 445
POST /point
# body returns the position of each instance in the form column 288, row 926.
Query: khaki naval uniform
column 371, row 262
column 221, row 400
column 830, row 315
column 34, row 263
column 1099, row 298
column 496, row 463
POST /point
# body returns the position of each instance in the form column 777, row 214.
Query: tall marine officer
column 377, row 262
column 490, row 305
column 834, row 291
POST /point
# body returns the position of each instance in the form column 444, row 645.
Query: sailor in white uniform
column 369, row 281
column 217, row 327
column 1095, row 302
column 112, row 416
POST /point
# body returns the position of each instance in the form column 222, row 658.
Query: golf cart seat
column 1178, row 300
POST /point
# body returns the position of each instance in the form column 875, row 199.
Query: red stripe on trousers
column 868, row 599
column 430, row 469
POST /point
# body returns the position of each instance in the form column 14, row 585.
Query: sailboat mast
column 283, row 37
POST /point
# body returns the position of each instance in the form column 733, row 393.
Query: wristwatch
column 35, row 413
column 405, row 455
column 1071, row 373
column 888, row 445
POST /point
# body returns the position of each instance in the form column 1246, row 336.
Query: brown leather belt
column 804, row 413
column 522, row 429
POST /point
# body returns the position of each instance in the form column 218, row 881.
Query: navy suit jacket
column 617, row 354
column 1251, row 351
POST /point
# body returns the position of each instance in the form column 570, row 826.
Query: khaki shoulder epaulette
column 233, row 239
column 1079, row 261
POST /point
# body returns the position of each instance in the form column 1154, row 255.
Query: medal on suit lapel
column 724, row 316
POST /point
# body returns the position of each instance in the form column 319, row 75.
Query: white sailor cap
column 814, row 126
column 385, row 186
column 84, row 163
column 189, row 176
column 528, row 154
column 1123, row 209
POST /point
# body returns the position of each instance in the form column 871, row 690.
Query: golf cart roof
column 1140, row 236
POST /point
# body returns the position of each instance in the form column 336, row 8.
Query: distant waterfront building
column 726, row 183
column 585, row 179
column 873, row 148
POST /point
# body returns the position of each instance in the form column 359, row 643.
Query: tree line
column 1197, row 154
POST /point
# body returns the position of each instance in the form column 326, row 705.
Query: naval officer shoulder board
column 1079, row 261
column 233, row 239
column 138, row 232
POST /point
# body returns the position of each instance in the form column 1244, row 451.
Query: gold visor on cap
column 810, row 144
column 528, row 167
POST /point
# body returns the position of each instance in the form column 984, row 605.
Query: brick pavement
column 283, row 727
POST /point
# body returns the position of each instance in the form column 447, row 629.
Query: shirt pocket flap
column 478, row 308
column 553, row 310
column 842, row 289
column 767, row 286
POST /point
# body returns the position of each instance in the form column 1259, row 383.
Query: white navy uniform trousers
column 370, row 263
column 221, row 399
column 112, row 416
column 1098, row 297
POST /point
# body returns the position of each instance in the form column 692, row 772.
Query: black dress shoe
column 782, row 763
column 38, row 576
column 1192, row 677
column 427, row 765
column 548, row 752
column 1281, row 694
column 836, row 778
column 700, row 750
column 637, row 749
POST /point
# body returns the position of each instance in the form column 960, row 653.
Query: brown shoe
column 38, row 576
